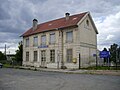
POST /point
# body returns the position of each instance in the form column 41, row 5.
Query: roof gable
column 56, row 24
column 91, row 20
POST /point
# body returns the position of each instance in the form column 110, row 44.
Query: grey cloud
column 36, row 1
column 8, row 37
column 17, row 15
column 4, row 10
column 3, row 14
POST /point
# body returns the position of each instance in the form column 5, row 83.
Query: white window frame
column 69, row 55
column 69, row 39
column 52, row 38
column 27, row 56
column 43, row 40
column 35, row 41
column 35, row 53
column 52, row 56
column 27, row 42
column 43, row 55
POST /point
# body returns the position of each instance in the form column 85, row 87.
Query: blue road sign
column 43, row 46
column 104, row 54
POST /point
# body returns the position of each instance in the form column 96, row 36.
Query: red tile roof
column 55, row 24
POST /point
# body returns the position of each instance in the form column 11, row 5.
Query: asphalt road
column 15, row 79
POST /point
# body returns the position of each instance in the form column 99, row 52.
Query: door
column 43, row 58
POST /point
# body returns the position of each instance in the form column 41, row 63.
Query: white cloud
column 109, row 30
column 109, row 37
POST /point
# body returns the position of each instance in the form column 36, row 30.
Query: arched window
column 87, row 22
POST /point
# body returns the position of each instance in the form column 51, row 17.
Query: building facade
column 68, row 42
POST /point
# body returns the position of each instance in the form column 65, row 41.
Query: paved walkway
column 73, row 71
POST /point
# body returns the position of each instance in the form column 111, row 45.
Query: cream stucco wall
column 88, row 42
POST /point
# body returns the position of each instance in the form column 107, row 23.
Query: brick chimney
column 67, row 16
column 35, row 23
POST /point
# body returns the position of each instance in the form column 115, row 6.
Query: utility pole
column 5, row 51
column 116, row 58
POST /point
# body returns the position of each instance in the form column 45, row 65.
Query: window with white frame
column 35, row 41
column 27, row 56
column 43, row 39
column 69, row 55
column 27, row 42
column 52, row 56
column 52, row 38
column 69, row 36
column 35, row 56
column 43, row 55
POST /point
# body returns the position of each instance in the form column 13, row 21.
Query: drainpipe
column 79, row 61
column 62, row 61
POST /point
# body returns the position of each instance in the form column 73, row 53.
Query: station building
column 68, row 42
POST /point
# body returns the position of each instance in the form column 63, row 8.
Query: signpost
column 105, row 54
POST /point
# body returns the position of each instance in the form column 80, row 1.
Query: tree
column 118, row 55
column 105, row 49
column 113, row 52
column 2, row 56
column 19, row 54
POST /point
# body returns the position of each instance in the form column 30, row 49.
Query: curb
column 92, row 72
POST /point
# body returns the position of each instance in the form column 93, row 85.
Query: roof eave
column 93, row 24
column 61, row 28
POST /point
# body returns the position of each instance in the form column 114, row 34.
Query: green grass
column 102, row 68
column 11, row 66
column 7, row 65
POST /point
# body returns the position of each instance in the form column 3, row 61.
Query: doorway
column 43, row 59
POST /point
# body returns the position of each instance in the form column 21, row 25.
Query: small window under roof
column 74, row 18
column 50, row 24
column 87, row 22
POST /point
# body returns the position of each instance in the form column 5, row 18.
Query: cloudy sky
column 16, row 17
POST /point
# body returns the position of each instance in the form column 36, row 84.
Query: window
column 87, row 22
column 27, row 42
column 69, row 55
column 52, row 38
column 43, row 55
column 52, row 56
column 43, row 39
column 35, row 55
column 35, row 42
column 27, row 56
column 69, row 36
